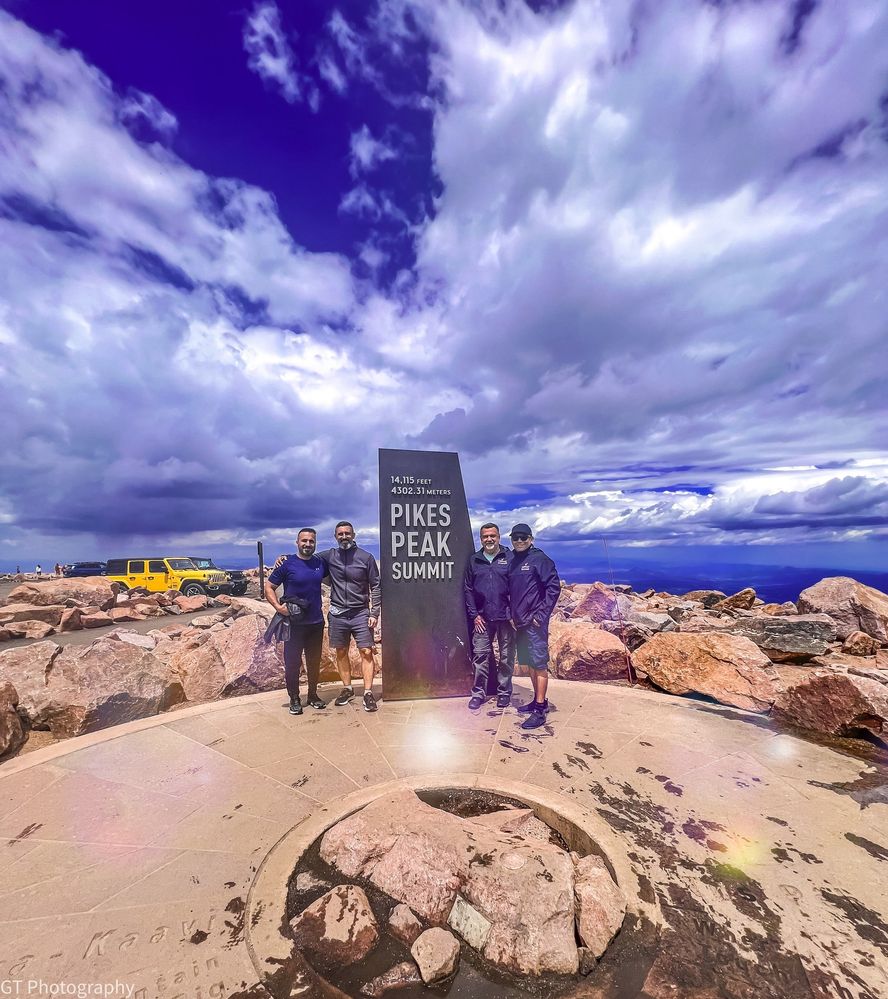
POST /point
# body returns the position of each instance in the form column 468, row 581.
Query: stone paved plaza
column 130, row 855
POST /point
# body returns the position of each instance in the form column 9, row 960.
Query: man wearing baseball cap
column 534, row 587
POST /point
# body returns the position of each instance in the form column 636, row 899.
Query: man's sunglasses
column 520, row 537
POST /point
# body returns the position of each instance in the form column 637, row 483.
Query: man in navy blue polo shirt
column 301, row 576
column 486, row 591
column 534, row 587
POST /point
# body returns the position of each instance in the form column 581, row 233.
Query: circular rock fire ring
column 501, row 870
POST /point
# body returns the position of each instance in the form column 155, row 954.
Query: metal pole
column 261, row 570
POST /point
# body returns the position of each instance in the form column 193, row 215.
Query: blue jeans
column 482, row 656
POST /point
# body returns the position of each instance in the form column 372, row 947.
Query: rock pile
column 58, row 605
column 123, row 675
column 524, row 904
column 820, row 664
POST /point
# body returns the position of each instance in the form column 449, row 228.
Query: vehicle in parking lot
column 237, row 580
column 159, row 574
column 84, row 569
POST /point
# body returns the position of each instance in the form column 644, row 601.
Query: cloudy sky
column 630, row 259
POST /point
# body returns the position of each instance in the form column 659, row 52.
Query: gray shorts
column 340, row 628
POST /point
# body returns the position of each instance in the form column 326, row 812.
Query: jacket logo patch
column 525, row 568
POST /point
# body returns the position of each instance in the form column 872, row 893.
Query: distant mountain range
column 773, row 583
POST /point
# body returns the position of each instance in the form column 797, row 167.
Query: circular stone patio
column 135, row 856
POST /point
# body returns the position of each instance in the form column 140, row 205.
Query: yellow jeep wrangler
column 159, row 574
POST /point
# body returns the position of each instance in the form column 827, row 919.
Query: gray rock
column 399, row 977
column 631, row 634
column 469, row 923
column 134, row 638
column 588, row 960
column 654, row 621
column 436, row 953
column 308, row 882
column 788, row 639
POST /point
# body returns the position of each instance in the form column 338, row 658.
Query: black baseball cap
column 521, row 529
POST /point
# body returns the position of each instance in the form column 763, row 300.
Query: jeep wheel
column 192, row 590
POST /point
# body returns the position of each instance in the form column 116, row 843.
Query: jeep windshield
column 180, row 564
column 204, row 563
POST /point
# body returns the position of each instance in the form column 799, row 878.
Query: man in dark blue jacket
column 486, row 588
column 534, row 587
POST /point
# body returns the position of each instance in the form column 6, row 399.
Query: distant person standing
column 354, row 609
column 38, row 569
column 58, row 569
column 300, row 615
column 534, row 587
column 486, row 591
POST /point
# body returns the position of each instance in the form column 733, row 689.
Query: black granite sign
column 425, row 540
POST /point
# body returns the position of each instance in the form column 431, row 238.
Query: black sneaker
column 316, row 702
column 475, row 701
column 345, row 696
column 295, row 706
column 534, row 720
column 503, row 700
column 369, row 701
column 526, row 709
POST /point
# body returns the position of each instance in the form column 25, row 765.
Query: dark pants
column 482, row 656
column 307, row 639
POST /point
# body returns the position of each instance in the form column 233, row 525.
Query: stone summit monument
column 425, row 539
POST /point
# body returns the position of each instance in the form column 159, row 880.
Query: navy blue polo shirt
column 302, row 578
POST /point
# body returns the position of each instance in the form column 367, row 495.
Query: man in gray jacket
column 354, row 609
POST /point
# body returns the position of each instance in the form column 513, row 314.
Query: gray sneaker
column 370, row 701
column 345, row 696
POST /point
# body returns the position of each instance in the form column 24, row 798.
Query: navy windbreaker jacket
column 534, row 586
column 486, row 586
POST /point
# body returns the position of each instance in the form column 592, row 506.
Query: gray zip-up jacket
column 354, row 579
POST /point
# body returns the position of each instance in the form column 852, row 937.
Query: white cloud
column 139, row 107
column 367, row 153
column 271, row 56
